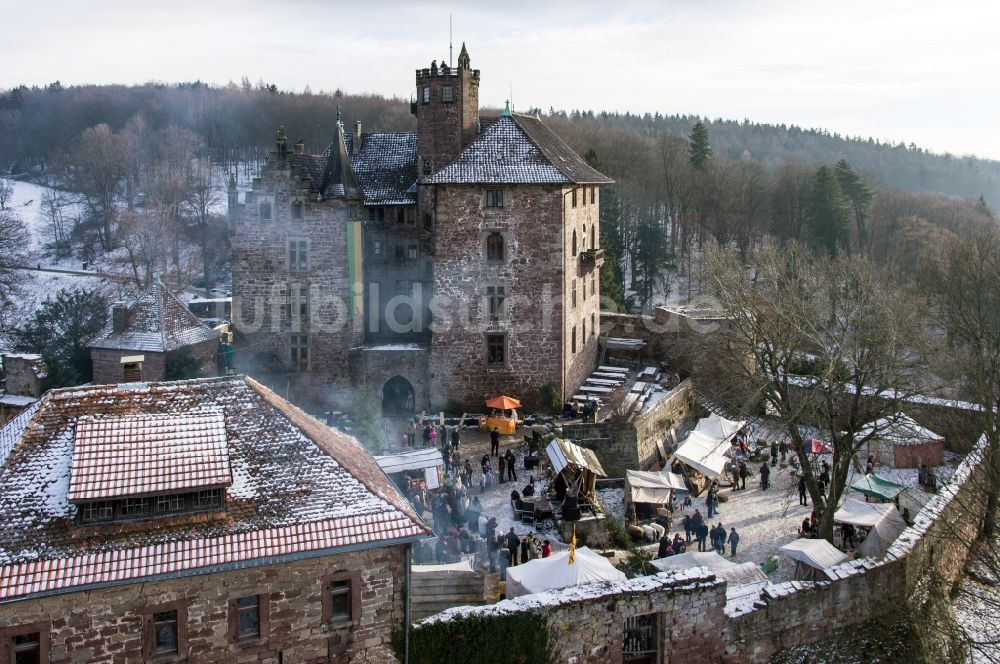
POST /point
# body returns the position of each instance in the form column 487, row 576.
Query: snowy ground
column 977, row 610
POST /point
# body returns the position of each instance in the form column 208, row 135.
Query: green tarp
column 874, row 486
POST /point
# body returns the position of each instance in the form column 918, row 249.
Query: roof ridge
column 531, row 139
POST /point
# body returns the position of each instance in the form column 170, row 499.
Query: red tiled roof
column 46, row 576
column 145, row 454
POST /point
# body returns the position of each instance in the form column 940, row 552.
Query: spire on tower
column 463, row 58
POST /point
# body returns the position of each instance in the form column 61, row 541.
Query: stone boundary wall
column 586, row 622
column 933, row 550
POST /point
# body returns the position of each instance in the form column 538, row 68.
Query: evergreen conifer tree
column 827, row 214
column 699, row 146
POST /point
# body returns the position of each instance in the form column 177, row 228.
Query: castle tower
column 447, row 110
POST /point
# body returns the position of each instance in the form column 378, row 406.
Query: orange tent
column 503, row 403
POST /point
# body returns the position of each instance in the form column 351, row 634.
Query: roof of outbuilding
column 518, row 149
column 299, row 488
column 386, row 168
column 156, row 322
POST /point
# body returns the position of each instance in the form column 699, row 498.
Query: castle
column 436, row 268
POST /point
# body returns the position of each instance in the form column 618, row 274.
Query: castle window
column 593, row 244
column 495, row 296
column 447, row 94
column 411, row 216
column 297, row 210
column 496, row 350
column 494, row 198
column 341, row 599
column 298, row 348
column 583, row 337
column 574, row 242
column 427, row 94
column 298, row 306
column 372, row 214
column 593, row 325
column 134, row 507
column 376, row 247
column 573, row 292
column 164, row 630
column 494, row 247
column 207, row 498
column 26, row 648
column 97, row 511
column 170, row 504
column 297, row 255
column 583, row 284
column 428, row 221
column 411, row 252
column 427, row 166
column 265, row 210
column 574, row 198
column 165, row 633
column 572, row 346
column 400, row 253
column 248, row 617
column 592, row 190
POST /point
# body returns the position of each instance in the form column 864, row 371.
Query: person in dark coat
column 665, row 545
column 679, row 545
column 491, row 527
column 687, row 527
column 802, row 491
column 493, row 551
column 525, row 550
column 511, row 475
column 774, row 453
column 702, row 533
column 765, row 476
column 734, row 540
column 495, row 442
column 503, row 554
column 744, row 473
column 456, row 438
column 513, row 543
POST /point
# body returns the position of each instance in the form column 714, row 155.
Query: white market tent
column 884, row 521
column 655, row 488
column 703, row 453
column 715, row 426
column 418, row 459
column 555, row 573
column 564, row 454
column 812, row 556
column 742, row 579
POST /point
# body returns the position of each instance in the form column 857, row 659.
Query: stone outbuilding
column 206, row 520
column 140, row 338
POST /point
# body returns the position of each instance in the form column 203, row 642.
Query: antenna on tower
column 511, row 84
column 450, row 63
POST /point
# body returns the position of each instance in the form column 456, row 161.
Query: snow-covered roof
column 518, row 149
column 386, row 168
column 899, row 429
column 556, row 572
column 134, row 455
column 703, row 453
column 298, row 488
column 649, row 487
column 156, row 322
column 419, row 459
column 816, row 553
column 563, row 453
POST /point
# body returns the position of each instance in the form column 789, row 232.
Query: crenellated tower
column 447, row 110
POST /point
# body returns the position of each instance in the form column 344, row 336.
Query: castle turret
column 447, row 110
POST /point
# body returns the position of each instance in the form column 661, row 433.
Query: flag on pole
column 572, row 546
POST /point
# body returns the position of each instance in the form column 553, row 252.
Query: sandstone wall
column 109, row 370
column 106, row 625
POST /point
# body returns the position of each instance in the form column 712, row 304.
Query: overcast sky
column 923, row 72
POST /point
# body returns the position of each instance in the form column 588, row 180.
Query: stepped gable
column 386, row 168
column 518, row 149
column 156, row 322
column 298, row 489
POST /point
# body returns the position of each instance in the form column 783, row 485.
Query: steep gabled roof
column 299, row 489
column 386, row 168
column 338, row 179
column 157, row 322
column 518, row 149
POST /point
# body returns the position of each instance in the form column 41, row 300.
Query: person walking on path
column 744, row 473
column 802, row 491
column 765, row 476
column 774, row 453
column 702, row 534
column 687, row 527
column 411, row 433
column 734, row 540
column 432, row 436
column 546, row 549
column 511, row 475
column 456, row 438
column 664, row 547
column 495, row 442
column 710, row 503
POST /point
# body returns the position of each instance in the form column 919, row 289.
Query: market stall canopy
column 900, row 429
column 885, row 531
column 413, row 460
column 715, row 426
column 736, row 574
column 874, row 486
column 555, row 573
column 503, row 403
column 863, row 514
column 562, row 453
column 657, row 488
column 702, row 453
column 816, row 553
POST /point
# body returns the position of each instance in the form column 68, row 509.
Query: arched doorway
column 397, row 397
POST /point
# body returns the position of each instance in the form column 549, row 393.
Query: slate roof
column 338, row 179
column 134, row 455
column 386, row 168
column 518, row 149
column 299, row 488
column 156, row 322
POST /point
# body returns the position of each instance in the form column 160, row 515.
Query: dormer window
column 151, row 465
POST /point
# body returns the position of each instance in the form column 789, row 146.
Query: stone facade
column 633, row 444
column 23, row 374
column 107, row 625
column 447, row 110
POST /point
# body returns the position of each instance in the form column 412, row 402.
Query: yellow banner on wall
column 355, row 251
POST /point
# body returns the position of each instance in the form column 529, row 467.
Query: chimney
column 119, row 317
column 357, row 137
column 300, row 147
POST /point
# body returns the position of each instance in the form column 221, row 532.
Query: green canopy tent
column 873, row 486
